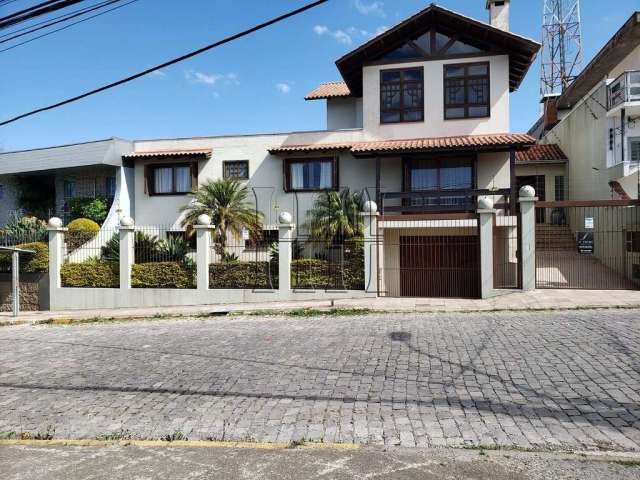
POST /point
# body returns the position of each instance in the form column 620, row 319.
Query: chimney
column 549, row 111
column 499, row 13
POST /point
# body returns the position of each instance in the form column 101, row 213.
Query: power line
column 69, row 17
column 169, row 62
column 65, row 16
column 36, row 11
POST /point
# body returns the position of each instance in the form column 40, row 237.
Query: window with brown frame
column 171, row 178
column 402, row 95
column 235, row 170
column 310, row 174
column 633, row 242
column 466, row 91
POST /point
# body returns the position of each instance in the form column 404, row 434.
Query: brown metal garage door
column 440, row 266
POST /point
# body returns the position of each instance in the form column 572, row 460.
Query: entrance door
column 538, row 183
column 440, row 266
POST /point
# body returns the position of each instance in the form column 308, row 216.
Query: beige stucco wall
column 434, row 124
column 550, row 173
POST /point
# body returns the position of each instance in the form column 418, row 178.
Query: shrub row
column 162, row 275
column 29, row 262
column 145, row 275
column 236, row 275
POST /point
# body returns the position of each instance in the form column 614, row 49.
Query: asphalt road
column 97, row 463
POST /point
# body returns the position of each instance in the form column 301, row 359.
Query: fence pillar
column 203, row 253
column 285, row 252
column 527, row 221
column 56, row 246
column 127, row 250
column 370, row 218
column 486, row 219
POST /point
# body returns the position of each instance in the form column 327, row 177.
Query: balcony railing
column 625, row 88
column 443, row 201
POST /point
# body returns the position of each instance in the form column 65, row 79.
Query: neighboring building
column 596, row 121
column 420, row 123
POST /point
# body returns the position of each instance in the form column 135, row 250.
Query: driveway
column 533, row 380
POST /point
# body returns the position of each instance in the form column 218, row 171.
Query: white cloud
column 381, row 30
column 283, row 87
column 339, row 36
column 211, row 79
column 375, row 8
column 158, row 73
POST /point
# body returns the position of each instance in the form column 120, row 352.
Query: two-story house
column 419, row 123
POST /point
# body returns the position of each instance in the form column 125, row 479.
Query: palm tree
column 336, row 215
column 225, row 201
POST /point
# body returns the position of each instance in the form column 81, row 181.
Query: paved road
column 527, row 379
column 89, row 463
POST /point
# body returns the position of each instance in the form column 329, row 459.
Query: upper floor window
column 236, row 170
column 402, row 95
column 311, row 174
column 430, row 45
column 466, row 91
column 634, row 150
column 171, row 179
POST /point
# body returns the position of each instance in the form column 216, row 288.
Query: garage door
column 440, row 266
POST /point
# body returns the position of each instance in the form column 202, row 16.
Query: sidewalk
column 534, row 300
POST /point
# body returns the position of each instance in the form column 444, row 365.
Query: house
column 419, row 123
column 596, row 121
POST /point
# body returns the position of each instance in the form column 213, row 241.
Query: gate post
column 203, row 254
column 127, row 251
column 527, row 220
column 486, row 219
column 370, row 218
column 56, row 245
column 285, row 252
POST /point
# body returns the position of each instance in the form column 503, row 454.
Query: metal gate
column 432, row 255
column 588, row 245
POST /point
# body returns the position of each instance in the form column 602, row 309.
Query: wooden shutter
column 148, row 184
column 194, row 176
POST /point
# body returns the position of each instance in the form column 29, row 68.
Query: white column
column 285, row 252
column 56, row 246
column 486, row 219
column 127, row 251
column 370, row 218
column 203, row 253
column 527, row 218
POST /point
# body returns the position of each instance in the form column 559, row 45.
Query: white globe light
column 285, row 218
column 55, row 222
column 204, row 219
column 126, row 221
column 527, row 191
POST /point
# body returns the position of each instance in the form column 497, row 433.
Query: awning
column 169, row 153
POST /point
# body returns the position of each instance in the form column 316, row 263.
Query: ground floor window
column 436, row 174
column 311, row 174
column 560, row 188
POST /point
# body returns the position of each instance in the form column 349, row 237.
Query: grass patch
column 626, row 463
column 296, row 443
column 309, row 312
column 174, row 437
column 116, row 436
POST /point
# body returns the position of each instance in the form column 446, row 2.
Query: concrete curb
column 180, row 443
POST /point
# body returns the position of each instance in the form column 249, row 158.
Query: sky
column 253, row 85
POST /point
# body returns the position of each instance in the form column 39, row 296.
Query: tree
column 336, row 216
column 226, row 202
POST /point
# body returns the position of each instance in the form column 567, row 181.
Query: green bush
column 95, row 209
column 236, row 275
column 81, row 230
column 23, row 230
column 90, row 274
column 162, row 275
column 29, row 262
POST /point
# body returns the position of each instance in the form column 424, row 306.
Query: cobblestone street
column 558, row 380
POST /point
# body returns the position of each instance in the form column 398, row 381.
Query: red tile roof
column 329, row 90
column 168, row 153
column 465, row 142
column 551, row 153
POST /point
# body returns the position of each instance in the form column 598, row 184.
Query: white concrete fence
column 63, row 298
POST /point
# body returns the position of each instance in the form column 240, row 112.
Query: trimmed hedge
column 81, row 230
column 306, row 273
column 90, row 275
column 29, row 262
column 238, row 275
column 162, row 275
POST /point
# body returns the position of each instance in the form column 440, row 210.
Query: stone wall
column 33, row 292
